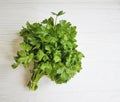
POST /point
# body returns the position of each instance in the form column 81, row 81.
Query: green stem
column 34, row 80
column 56, row 20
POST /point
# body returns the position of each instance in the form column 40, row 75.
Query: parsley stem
column 34, row 80
column 56, row 20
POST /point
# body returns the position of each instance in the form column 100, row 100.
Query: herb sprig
column 51, row 46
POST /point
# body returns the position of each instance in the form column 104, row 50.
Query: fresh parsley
column 51, row 46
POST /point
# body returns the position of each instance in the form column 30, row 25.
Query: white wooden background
column 98, row 26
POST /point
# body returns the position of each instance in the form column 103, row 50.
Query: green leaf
column 21, row 53
column 47, row 47
column 45, row 21
column 37, row 46
column 57, row 59
column 28, row 24
column 60, row 13
column 64, row 76
column 60, row 70
column 51, row 21
column 34, row 42
column 25, row 46
column 31, row 56
column 46, row 67
column 40, row 55
column 57, row 56
column 51, row 39
column 22, row 59
column 15, row 65
column 80, row 55
column 54, row 13
column 45, row 58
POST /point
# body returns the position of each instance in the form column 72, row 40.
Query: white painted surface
column 98, row 25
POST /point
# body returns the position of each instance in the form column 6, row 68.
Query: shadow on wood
column 16, row 47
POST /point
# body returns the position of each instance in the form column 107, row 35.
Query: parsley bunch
column 51, row 46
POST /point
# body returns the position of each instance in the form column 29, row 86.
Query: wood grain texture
column 98, row 26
